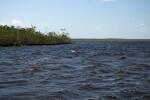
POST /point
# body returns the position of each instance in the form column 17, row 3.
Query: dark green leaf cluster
column 10, row 35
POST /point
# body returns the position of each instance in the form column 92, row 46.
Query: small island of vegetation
column 16, row 36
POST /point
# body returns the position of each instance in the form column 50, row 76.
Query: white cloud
column 98, row 28
column 108, row 0
column 2, row 23
column 17, row 22
column 141, row 24
column 43, row 23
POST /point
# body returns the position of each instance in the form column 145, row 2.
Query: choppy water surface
column 97, row 70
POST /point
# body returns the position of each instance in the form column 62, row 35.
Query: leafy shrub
column 10, row 35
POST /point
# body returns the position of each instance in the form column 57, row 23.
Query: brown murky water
column 89, row 70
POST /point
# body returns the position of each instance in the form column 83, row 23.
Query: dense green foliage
column 10, row 35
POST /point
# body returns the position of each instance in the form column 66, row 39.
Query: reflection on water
column 98, row 70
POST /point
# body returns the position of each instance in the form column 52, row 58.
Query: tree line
column 11, row 35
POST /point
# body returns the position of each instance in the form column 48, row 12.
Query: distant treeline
column 11, row 35
column 108, row 39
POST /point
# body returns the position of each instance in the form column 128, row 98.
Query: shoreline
column 74, row 40
column 9, row 45
column 109, row 39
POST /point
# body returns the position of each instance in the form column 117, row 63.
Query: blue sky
column 81, row 18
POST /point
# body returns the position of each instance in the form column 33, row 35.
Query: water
column 97, row 70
